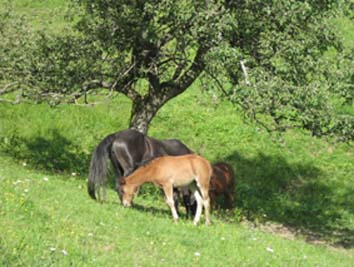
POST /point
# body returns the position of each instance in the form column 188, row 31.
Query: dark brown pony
column 127, row 150
column 222, row 182
column 168, row 172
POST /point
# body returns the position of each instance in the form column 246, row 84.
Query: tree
column 287, row 66
column 118, row 44
column 267, row 57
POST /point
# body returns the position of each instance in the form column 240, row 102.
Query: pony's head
column 126, row 193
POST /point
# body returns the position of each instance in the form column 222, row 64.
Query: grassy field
column 48, row 220
column 294, row 194
column 290, row 194
column 42, row 14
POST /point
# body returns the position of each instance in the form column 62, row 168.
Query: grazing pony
column 168, row 172
column 222, row 182
column 127, row 150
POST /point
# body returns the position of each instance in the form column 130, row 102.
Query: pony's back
column 179, row 170
column 224, row 172
column 222, row 182
column 192, row 162
column 182, row 168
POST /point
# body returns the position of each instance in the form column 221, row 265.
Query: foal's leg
column 203, row 185
column 198, row 198
column 206, row 204
column 168, row 189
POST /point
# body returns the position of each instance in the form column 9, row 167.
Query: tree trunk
column 143, row 111
column 145, row 108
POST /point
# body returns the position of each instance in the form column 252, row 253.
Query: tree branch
column 15, row 102
column 244, row 70
column 218, row 83
column 179, row 85
column 7, row 88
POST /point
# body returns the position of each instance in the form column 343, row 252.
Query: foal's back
column 181, row 170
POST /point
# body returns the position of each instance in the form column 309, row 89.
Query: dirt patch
column 292, row 233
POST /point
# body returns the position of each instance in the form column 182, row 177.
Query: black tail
column 98, row 167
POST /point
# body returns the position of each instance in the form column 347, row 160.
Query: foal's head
column 126, row 193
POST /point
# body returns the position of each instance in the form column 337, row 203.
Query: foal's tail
column 98, row 167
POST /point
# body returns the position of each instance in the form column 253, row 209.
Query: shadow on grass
column 153, row 210
column 52, row 152
column 268, row 188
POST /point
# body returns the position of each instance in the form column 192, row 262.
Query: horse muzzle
column 126, row 204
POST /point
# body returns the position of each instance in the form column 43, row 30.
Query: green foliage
column 52, row 67
column 279, row 66
column 13, row 50
column 63, row 63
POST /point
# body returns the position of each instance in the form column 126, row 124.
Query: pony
column 168, row 172
column 127, row 150
column 222, row 182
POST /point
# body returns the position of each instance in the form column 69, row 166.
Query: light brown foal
column 168, row 172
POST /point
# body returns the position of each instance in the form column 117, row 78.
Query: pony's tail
column 98, row 168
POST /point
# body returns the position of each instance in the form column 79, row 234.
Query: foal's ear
column 122, row 181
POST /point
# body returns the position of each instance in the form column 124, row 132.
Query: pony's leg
column 193, row 205
column 117, row 170
column 232, row 199
column 168, row 189
column 176, row 199
column 198, row 198
column 124, row 158
column 206, row 204
column 187, row 201
column 213, row 201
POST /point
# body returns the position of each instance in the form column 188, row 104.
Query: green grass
column 302, row 183
column 346, row 28
column 48, row 220
column 42, row 14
